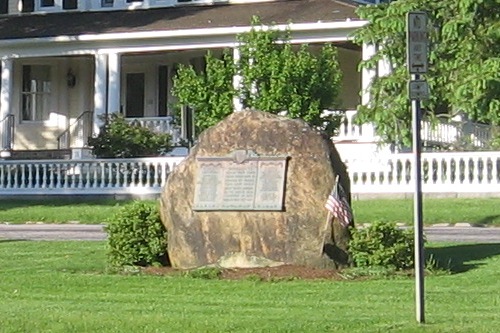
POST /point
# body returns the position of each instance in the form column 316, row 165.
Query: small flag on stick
column 338, row 205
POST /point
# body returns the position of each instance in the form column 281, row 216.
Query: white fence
column 441, row 173
column 443, row 132
column 134, row 176
column 476, row 172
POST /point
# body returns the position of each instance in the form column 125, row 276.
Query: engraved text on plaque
column 251, row 183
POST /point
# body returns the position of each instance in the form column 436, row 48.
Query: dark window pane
column 70, row 4
column 47, row 3
column 4, row 6
column 162, row 90
column 106, row 3
column 134, row 98
column 28, row 6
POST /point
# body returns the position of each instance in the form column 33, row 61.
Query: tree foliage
column 209, row 93
column 276, row 76
column 464, row 62
column 119, row 138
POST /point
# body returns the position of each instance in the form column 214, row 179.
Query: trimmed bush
column 136, row 236
column 382, row 245
column 120, row 139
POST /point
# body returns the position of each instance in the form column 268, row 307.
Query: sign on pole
column 417, row 42
column 418, row 89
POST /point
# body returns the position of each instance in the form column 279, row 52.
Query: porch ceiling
column 174, row 18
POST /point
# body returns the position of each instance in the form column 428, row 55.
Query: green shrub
column 136, row 236
column 119, row 138
column 384, row 245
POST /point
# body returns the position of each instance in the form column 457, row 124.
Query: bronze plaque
column 240, row 182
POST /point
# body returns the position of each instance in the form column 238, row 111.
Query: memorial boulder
column 252, row 193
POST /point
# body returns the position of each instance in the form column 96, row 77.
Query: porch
column 56, row 91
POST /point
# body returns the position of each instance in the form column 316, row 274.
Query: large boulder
column 299, row 234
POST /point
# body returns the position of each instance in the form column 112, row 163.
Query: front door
column 134, row 95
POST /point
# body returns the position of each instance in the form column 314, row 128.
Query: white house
column 67, row 63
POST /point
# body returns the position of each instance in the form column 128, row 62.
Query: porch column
column 368, row 74
column 100, row 95
column 114, row 83
column 237, row 104
column 384, row 66
column 6, row 87
column 6, row 131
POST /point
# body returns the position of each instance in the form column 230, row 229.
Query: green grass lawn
column 481, row 210
column 59, row 211
column 450, row 210
column 63, row 287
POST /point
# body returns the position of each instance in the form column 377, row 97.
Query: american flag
column 338, row 205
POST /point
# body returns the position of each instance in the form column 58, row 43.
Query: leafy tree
column 464, row 62
column 276, row 77
column 210, row 93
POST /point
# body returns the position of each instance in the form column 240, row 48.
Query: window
column 134, row 95
column 107, row 3
column 70, row 4
column 46, row 3
column 28, row 6
column 4, row 6
column 162, row 91
column 36, row 93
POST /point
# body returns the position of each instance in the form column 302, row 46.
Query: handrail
column 7, row 138
column 84, row 123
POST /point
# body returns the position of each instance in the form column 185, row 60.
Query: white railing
column 445, row 132
column 77, row 133
column 349, row 131
column 464, row 132
column 92, row 176
column 466, row 172
column 477, row 172
column 159, row 125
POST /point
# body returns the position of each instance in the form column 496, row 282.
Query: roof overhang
column 151, row 41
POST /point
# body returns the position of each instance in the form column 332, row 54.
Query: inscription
column 254, row 183
column 269, row 185
column 239, row 185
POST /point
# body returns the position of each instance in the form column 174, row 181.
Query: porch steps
column 45, row 154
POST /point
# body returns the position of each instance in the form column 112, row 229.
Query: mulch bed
column 283, row 272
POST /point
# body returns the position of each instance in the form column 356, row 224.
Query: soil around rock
column 283, row 272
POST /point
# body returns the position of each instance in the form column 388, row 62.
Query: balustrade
column 98, row 176
column 477, row 172
column 444, row 132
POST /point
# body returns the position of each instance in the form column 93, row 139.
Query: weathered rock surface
column 300, row 234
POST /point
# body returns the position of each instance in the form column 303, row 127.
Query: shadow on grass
column 488, row 220
column 461, row 258
column 12, row 240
